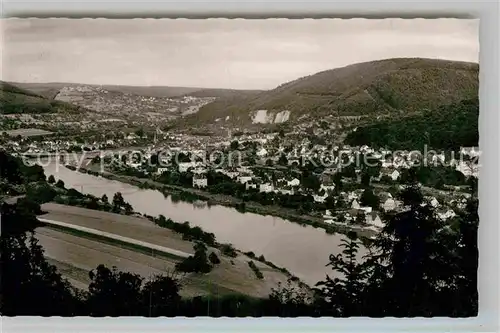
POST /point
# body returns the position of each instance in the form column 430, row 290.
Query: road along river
column 303, row 250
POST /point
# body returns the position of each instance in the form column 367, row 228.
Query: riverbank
column 232, row 275
column 301, row 249
column 229, row 201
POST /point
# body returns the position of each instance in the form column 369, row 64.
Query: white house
column 293, row 182
column 135, row 165
column 374, row 220
column 243, row 179
column 262, row 152
column 446, row 215
column 320, row 198
column 231, row 174
column 266, row 187
column 327, row 188
column 386, row 164
column 244, row 169
column 438, row 158
column 394, row 175
column 355, row 204
column 250, row 185
column 389, row 204
column 468, row 169
column 352, row 196
column 367, row 210
column 286, row 191
column 470, row 151
column 183, row 167
column 199, row 171
column 200, row 182
column 161, row 171
column 434, row 202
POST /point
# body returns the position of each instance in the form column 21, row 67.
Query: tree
column 118, row 200
column 139, row 132
column 104, row 199
column 31, row 286
column 51, row 180
column 343, row 297
column 409, row 263
column 234, row 145
column 360, row 219
column 160, row 297
column 114, row 293
column 369, row 199
column 330, row 202
column 154, row 160
column 337, row 180
column 312, row 182
column 289, row 301
column 197, row 263
column 214, row 259
column 128, row 208
column 365, row 179
column 283, row 160
column 60, row 184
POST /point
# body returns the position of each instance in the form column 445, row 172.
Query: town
column 342, row 185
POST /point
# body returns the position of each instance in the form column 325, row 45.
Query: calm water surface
column 303, row 250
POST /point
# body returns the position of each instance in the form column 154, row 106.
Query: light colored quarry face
column 261, row 117
column 282, row 117
column 265, row 117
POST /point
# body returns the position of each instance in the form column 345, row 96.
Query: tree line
column 449, row 127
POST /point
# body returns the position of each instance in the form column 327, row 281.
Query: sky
column 217, row 53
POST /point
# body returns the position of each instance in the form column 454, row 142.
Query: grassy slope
column 17, row 100
column 392, row 85
column 226, row 278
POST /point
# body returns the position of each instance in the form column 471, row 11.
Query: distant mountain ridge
column 51, row 89
column 400, row 85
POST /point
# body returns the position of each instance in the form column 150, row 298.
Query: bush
column 256, row 270
column 228, row 250
column 214, row 259
column 197, row 263
column 250, row 254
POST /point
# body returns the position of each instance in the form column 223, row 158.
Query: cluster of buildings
column 275, row 180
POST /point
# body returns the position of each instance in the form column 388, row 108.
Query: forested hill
column 390, row 86
column 449, row 127
column 17, row 100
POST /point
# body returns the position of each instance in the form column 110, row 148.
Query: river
column 303, row 250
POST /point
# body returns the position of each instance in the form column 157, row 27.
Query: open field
column 75, row 256
column 27, row 132
column 122, row 225
column 120, row 241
